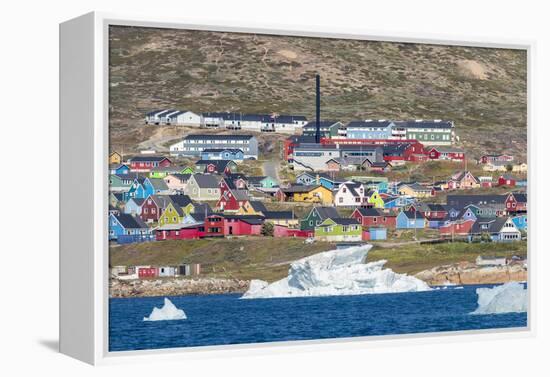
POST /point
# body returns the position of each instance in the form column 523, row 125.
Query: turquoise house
column 380, row 186
column 520, row 222
column 143, row 187
column 262, row 182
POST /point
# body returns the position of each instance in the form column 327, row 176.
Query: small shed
column 378, row 233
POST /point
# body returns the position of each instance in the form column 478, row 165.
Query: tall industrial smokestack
column 318, row 109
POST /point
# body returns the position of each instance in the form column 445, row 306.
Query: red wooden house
column 488, row 158
column 231, row 198
column 216, row 166
column 146, row 163
column 147, row 272
column 516, row 202
column 247, row 225
column 369, row 217
column 179, row 232
column 506, row 180
column 214, row 225
column 459, row 228
column 445, row 153
column 153, row 207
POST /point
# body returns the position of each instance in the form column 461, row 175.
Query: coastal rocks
column 469, row 273
column 175, row 287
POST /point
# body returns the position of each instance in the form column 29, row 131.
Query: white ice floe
column 168, row 312
column 334, row 273
column 507, row 298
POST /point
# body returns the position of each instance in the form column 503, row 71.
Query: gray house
column 203, row 187
column 193, row 145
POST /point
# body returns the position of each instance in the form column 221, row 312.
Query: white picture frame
column 83, row 180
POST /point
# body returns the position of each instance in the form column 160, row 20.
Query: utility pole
column 415, row 235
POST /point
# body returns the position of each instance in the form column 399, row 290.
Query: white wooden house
column 350, row 194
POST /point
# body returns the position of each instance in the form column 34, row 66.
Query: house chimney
column 318, row 109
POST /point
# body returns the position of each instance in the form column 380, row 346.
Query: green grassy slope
column 269, row 258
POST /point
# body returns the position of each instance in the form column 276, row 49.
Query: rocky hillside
column 483, row 90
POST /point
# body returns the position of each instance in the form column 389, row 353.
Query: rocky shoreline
column 175, row 287
column 466, row 273
column 463, row 273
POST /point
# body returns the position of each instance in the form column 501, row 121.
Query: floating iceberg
column 334, row 273
column 168, row 312
column 507, row 298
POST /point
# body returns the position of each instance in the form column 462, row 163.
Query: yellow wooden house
column 310, row 194
column 252, row 207
column 115, row 158
column 415, row 190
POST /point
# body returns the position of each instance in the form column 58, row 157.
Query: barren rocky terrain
column 483, row 90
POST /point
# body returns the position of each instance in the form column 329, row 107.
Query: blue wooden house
column 410, row 220
column 329, row 182
column 306, row 179
column 369, row 129
column 397, row 201
column 120, row 169
column 322, row 179
column 520, row 222
column 133, row 206
column 143, row 187
column 222, row 154
column 468, row 214
column 126, row 228
column 521, row 182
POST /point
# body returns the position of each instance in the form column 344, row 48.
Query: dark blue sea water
column 224, row 319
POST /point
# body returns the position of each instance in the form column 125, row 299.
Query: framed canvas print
column 230, row 187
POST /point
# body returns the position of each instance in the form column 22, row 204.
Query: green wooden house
column 316, row 216
column 339, row 230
